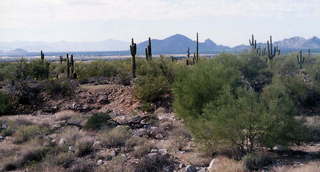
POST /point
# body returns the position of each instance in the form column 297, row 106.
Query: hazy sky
column 228, row 22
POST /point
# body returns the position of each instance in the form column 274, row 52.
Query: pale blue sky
column 228, row 22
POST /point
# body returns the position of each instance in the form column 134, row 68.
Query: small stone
column 212, row 164
column 70, row 149
column 279, row 148
column 181, row 166
column 152, row 155
column 190, row 168
column 163, row 151
column 62, row 141
column 202, row 170
column 159, row 136
column 99, row 162
column 154, row 150
column 97, row 145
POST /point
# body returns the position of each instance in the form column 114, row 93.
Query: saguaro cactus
column 188, row 53
column 133, row 50
column 197, row 58
column 148, row 50
column 68, row 66
column 61, row 59
column 42, row 56
column 72, row 64
column 253, row 42
column 300, row 59
column 271, row 50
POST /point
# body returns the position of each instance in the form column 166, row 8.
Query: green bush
column 154, row 81
column 99, row 121
column 35, row 69
column 116, row 137
column 253, row 162
column 62, row 88
column 256, row 71
column 5, row 104
column 26, row 133
column 100, row 68
column 220, row 109
column 151, row 89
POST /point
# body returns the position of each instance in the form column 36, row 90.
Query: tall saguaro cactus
column 42, row 56
column 148, row 50
column 188, row 53
column 300, row 59
column 197, row 58
column 133, row 50
column 68, row 66
column 271, row 50
column 253, row 42
column 72, row 64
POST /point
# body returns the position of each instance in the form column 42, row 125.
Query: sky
column 227, row 22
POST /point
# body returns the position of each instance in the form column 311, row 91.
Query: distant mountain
column 64, row 46
column 176, row 44
column 179, row 44
column 16, row 52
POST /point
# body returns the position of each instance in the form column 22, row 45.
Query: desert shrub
column 35, row 69
column 142, row 150
column 102, row 68
column 7, row 71
column 151, row 89
column 25, row 92
column 84, row 147
column 256, row 71
column 135, row 141
column 115, row 137
column 63, row 159
column 221, row 111
column 256, row 161
column 60, row 87
column 29, row 157
column 99, row 121
column 154, row 81
column 5, row 104
column 26, row 133
column 154, row 163
column 40, row 69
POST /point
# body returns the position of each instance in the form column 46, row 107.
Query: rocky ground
column 154, row 141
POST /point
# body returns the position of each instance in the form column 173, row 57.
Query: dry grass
column 26, row 133
column 71, row 135
column 224, row 164
column 65, row 115
column 116, row 137
column 310, row 167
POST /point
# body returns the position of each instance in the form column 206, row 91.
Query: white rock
column 99, row 162
column 190, row 168
column 62, row 141
column 212, row 164
column 279, row 148
column 163, row 151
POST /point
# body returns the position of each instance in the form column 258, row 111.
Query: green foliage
column 253, row 161
column 256, row 71
column 26, row 133
column 60, row 87
column 219, row 108
column 5, row 104
column 35, row 69
column 103, row 69
column 99, row 121
column 116, row 137
column 154, row 80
